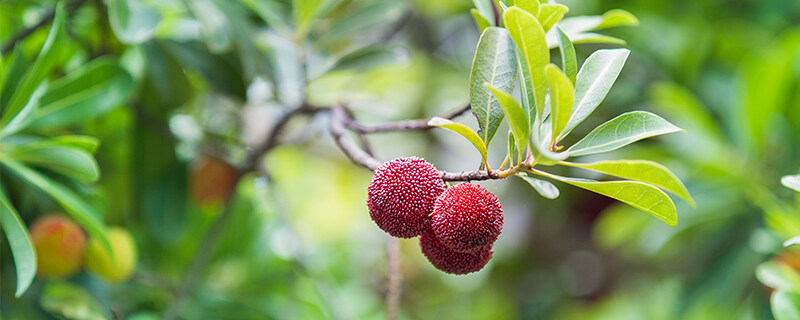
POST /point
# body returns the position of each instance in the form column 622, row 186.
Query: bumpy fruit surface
column 467, row 217
column 122, row 265
column 451, row 261
column 60, row 245
column 401, row 195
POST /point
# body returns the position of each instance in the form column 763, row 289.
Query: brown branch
column 45, row 20
column 339, row 119
column 409, row 125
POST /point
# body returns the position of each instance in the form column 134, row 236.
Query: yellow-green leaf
column 517, row 119
column 550, row 14
column 479, row 19
column 636, row 194
column 562, row 96
column 532, row 6
column 529, row 37
column 640, row 170
column 464, row 131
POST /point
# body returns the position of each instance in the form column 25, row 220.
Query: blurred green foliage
column 161, row 84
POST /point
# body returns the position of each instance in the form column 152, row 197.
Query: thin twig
column 45, row 20
column 394, row 278
column 339, row 119
column 409, row 125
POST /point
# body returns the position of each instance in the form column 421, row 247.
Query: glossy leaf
column 785, row 305
column 132, row 21
column 69, row 161
column 590, row 37
column 529, row 36
column 793, row 241
column 616, row 18
column 640, row 170
column 496, row 65
column 791, row 182
column 88, row 92
column 544, row 188
column 531, row 6
column 517, row 119
column 593, row 82
column 37, row 72
column 550, row 14
column 562, row 95
column 778, row 276
column 636, row 194
column 568, row 61
column 621, row 131
column 25, row 116
column 464, row 131
column 82, row 212
column 479, row 20
column 20, row 242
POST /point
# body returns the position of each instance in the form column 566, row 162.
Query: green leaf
column 517, row 119
column 590, row 37
column 85, row 143
column 778, row 276
column 791, row 182
column 88, row 92
column 785, row 305
column 550, row 14
column 568, row 60
column 82, row 212
column 25, row 116
column 484, row 7
column 640, row 170
column 531, row 6
column 69, row 161
column 464, row 131
column 529, row 37
column 562, row 95
column 621, row 131
column 793, row 241
column 593, row 82
column 11, row 79
column 682, row 105
column 495, row 64
column 20, row 242
column 617, row 18
column 577, row 28
column 368, row 57
column 479, row 20
column 636, row 194
column 544, row 188
column 37, row 72
column 132, row 21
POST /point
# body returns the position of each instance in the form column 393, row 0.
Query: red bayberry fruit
column 401, row 195
column 467, row 217
column 451, row 261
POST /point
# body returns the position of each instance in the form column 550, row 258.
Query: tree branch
column 420, row 124
column 394, row 278
column 339, row 119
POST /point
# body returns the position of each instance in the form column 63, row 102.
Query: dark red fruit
column 401, row 196
column 450, row 261
column 467, row 217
